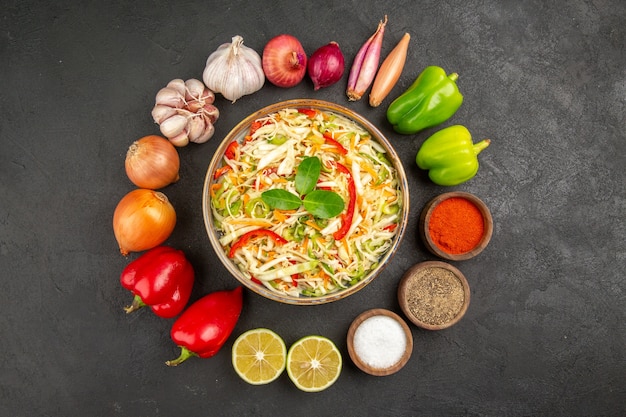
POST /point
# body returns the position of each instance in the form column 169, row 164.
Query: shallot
column 185, row 112
column 284, row 61
column 389, row 72
column 326, row 65
column 365, row 64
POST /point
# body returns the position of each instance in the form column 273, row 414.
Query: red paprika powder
column 456, row 225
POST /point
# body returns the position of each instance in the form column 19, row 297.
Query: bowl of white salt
column 379, row 342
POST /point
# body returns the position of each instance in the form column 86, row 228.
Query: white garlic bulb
column 234, row 70
column 185, row 112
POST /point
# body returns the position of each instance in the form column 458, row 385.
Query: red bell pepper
column 232, row 150
column 310, row 113
column 161, row 278
column 221, row 171
column 347, row 217
column 331, row 141
column 243, row 240
column 256, row 125
column 205, row 326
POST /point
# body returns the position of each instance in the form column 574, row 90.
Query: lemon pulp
column 313, row 363
column 259, row 356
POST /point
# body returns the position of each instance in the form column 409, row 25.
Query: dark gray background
column 545, row 332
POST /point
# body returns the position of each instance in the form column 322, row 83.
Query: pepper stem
column 478, row 147
column 184, row 355
column 453, row 77
column 136, row 305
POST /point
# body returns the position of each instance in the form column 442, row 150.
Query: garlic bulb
column 185, row 112
column 234, row 70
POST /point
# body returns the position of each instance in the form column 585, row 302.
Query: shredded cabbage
column 311, row 263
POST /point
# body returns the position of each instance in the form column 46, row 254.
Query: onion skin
column 284, row 61
column 152, row 162
column 143, row 219
column 326, row 66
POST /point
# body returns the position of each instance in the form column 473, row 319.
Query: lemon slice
column 313, row 363
column 258, row 356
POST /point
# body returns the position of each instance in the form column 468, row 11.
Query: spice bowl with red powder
column 456, row 226
column 434, row 295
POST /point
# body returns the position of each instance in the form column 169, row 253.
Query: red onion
column 326, row 65
column 284, row 61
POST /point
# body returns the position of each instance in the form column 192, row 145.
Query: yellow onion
column 152, row 162
column 142, row 220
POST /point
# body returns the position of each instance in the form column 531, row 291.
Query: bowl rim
column 408, row 350
column 238, row 132
column 425, row 220
column 402, row 294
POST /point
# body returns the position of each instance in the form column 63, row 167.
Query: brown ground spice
column 435, row 295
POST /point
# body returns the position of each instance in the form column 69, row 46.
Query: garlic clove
column 194, row 105
column 170, row 97
column 178, row 85
column 210, row 112
column 209, row 130
column 194, row 89
column 180, row 140
column 173, row 126
column 195, row 128
column 208, row 97
column 161, row 112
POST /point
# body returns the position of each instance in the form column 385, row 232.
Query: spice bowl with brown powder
column 456, row 226
column 434, row 295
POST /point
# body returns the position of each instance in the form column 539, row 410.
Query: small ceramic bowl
column 435, row 249
column 238, row 133
column 434, row 295
column 379, row 342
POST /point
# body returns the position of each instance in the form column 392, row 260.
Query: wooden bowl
column 432, row 246
column 425, row 290
column 362, row 363
column 238, row 133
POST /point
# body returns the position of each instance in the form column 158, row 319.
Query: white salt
column 380, row 342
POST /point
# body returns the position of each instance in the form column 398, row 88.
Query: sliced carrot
column 346, row 245
column 214, row 188
column 313, row 225
column 367, row 168
column 279, row 215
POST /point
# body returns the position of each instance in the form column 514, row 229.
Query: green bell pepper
column 431, row 100
column 450, row 155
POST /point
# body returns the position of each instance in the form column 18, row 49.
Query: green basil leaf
column 323, row 204
column 307, row 175
column 281, row 199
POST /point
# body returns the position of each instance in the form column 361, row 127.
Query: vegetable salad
column 295, row 249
